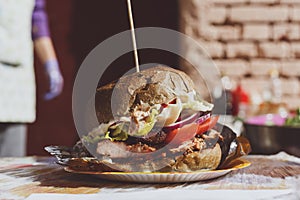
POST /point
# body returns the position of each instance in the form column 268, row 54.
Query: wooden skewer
column 136, row 58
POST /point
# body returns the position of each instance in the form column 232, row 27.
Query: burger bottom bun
column 205, row 159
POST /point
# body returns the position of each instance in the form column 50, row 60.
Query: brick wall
column 248, row 38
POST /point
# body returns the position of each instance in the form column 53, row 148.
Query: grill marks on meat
column 152, row 139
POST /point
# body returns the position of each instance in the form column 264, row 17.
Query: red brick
column 254, row 85
column 256, row 31
column 295, row 14
column 241, row 50
column 286, row 31
column 214, row 49
column 292, row 102
column 264, row 1
column 228, row 1
column 227, row 32
column 260, row 67
column 296, row 49
column 258, row 85
column 232, row 67
column 290, row 1
column 290, row 86
column 216, row 14
column 259, row 14
column 190, row 30
column 290, row 68
column 190, row 8
column 275, row 50
column 209, row 34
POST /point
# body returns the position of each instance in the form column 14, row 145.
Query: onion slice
column 193, row 118
column 188, row 120
column 202, row 119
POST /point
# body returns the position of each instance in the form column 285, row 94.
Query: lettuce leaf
column 96, row 134
column 148, row 125
column 120, row 131
column 117, row 133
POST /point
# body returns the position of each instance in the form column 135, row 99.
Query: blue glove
column 55, row 79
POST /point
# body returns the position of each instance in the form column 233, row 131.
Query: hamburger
column 154, row 120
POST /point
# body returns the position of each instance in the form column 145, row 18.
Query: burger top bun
column 153, row 86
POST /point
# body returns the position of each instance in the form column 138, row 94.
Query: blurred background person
column 77, row 27
column 23, row 25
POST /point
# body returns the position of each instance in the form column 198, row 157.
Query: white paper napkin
column 167, row 194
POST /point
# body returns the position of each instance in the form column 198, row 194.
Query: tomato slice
column 189, row 131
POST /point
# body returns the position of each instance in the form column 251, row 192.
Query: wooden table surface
column 20, row 177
